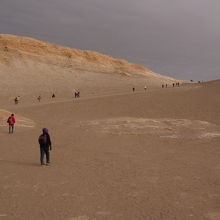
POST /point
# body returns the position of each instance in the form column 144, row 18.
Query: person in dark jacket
column 45, row 146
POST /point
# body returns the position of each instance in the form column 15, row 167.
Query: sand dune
column 32, row 67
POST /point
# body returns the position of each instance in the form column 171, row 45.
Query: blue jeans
column 43, row 151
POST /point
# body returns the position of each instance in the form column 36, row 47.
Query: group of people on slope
column 39, row 98
column 173, row 84
column 43, row 140
column 145, row 88
column 163, row 86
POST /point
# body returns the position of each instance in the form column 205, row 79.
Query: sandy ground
column 126, row 156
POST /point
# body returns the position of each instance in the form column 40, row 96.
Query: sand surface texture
column 143, row 155
column 116, row 154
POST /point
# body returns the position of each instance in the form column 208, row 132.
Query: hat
column 45, row 130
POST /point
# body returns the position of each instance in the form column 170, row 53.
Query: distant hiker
column 16, row 100
column 39, row 98
column 77, row 94
column 133, row 89
column 145, row 88
column 11, row 121
column 173, row 84
column 162, row 85
column 53, row 96
column 5, row 48
column 45, row 146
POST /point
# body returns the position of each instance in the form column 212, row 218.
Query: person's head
column 12, row 114
column 45, row 130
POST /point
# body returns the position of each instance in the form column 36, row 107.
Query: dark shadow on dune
column 21, row 163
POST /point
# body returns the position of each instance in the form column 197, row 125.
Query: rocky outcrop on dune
column 30, row 65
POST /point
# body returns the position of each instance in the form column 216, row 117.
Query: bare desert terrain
column 116, row 154
column 152, row 155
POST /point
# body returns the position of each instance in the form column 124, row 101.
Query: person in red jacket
column 11, row 121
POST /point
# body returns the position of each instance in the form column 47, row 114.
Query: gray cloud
column 173, row 37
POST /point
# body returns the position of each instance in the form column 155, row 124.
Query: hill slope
column 30, row 66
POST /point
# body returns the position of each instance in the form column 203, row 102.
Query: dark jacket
column 44, row 140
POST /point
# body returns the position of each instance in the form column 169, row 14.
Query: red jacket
column 11, row 120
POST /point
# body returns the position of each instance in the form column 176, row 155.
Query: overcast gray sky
column 179, row 38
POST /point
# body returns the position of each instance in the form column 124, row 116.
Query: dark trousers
column 11, row 128
column 43, row 151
